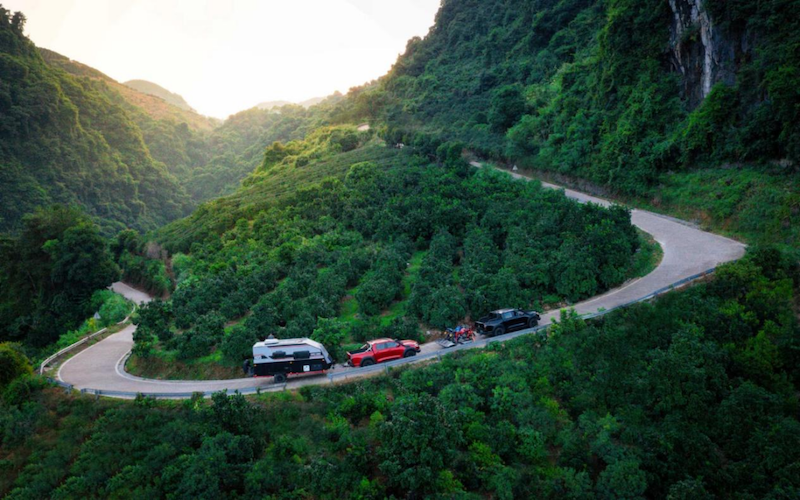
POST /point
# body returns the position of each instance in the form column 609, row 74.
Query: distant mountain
column 207, row 156
column 272, row 104
column 67, row 137
column 153, row 105
column 312, row 102
column 159, row 91
column 277, row 104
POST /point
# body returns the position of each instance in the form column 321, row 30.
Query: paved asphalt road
column 687, row 251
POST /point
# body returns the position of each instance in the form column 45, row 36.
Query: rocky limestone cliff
column 702, row 50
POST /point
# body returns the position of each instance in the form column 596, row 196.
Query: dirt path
column 687, row 251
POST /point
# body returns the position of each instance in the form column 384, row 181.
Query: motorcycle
column 461, row 334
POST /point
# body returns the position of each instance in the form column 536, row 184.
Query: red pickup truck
column 380, row 350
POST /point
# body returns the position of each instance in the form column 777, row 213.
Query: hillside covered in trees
column 309, row 225
column 157, row 90
column 208, row 157
column 686, row 106
column 62, row 141
column 692, row 397
column 299, row 254
column 75, row 136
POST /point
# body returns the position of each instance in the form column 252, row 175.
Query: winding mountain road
column 688, row 251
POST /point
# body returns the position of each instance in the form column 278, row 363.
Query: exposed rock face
column 701, row 51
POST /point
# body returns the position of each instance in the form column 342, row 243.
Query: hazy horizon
column 224, row 56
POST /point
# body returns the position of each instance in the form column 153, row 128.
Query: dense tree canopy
column 588, row 88
column 691, row 396
column 335, row 236
column 61, row 140
column 49, row 273
column 482, row 240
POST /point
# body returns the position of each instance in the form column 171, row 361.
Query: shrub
column 238, row 344
column 200, row 339
column 404, row 328
column 22, row 388
column 111, row 307
column 367, row 329
column 13, row 363
column 154, row 318
column 331, row 333
column 375, row 293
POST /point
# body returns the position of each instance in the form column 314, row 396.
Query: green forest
column 73, row 136
column 362, row 217
column 588, row 92
column 693, row 396
column 62, row 141
column 287, row 265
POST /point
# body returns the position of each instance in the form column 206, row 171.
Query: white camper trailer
column 279, row 358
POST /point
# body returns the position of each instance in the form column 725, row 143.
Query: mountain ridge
column 155, row 106
column 157, row 90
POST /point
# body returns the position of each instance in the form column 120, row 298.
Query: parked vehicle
column 280, row 358
column 461, row 334
column 506, row 320
column 381, row 350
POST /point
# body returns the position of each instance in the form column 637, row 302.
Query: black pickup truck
column 506, row 320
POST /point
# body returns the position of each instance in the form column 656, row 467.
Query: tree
column 375, row 292
column 331, row 334
column 127, row 240
column 622, row 479
column 50, row 273
column 155, row 317
column 198, row 340
column 238, row 344
column 81, row 262
column 507, row 107
column 417, row 443
column 13, row 363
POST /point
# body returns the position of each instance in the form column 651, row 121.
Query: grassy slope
column 757, row 206
column 221, row 214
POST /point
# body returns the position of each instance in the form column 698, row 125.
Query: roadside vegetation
column 587, row 90
column 333, row 260
column 110, row 308
column 327, row 231
column 49, row 274
column 597, row 409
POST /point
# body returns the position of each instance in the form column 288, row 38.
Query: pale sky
column 224, row 56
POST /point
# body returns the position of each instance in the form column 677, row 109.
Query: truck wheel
column 532, row 322
column 409, row 353
column 368, row 362
column 280, row 378
column 500, row 330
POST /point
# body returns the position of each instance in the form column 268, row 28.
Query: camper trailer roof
column 283, row 343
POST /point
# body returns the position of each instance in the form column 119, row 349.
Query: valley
column 629, row 169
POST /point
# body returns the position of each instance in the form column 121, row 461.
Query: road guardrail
column 374, row 369
column 82, row 341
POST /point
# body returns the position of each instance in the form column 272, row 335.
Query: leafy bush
column 199, row 340
column 331, row 334
column 111, row 307
column 154, row 318
column 22, row 388
column 13, row 363
column 238, row 343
